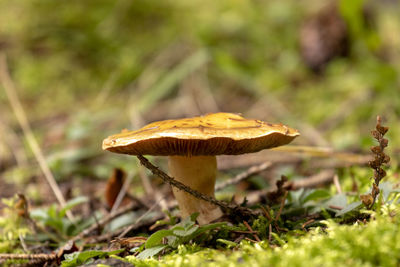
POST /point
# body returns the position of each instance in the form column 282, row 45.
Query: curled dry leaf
column 114, row 186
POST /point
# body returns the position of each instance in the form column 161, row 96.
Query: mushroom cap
column 211, row 134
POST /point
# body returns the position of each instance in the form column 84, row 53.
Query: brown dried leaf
column 21, row 206
column 374, row 163
column 376, row 134
column 114, row 185
column 380, row 173
column 384, row 142
column 381, row 129
column 376, row 149
column 367, row 199
column 386, row 159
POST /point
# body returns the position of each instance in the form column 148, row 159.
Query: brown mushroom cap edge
column 211, row 134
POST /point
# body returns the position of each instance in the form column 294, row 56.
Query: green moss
column 372, row 244
column 12, row 227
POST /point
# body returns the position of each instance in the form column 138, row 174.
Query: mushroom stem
column 199, row 173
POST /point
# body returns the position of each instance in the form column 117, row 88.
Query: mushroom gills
column 199, row 173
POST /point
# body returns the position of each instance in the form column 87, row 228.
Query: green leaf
column 52, row 211
column 339, row 200
column 79, row 258
column 188, row 221
column 191, row 230
column 156, row 238
column 39, row 214
column 180, row 231
column 72, row 203
column 203, row 229
column 211, row 226
column 150, row 252
column 193, row 216
column 315, row 195
column 348, row 208
column 174, row 241
column 386, row 188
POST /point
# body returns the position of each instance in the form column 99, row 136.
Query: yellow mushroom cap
column 211, row 134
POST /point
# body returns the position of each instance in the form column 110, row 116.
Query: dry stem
column 16, row 105
column 34, row 259
column 244, row 175
column 105, row 220
column 121, row 193
column 380, row 159
column 168, row 179
column 123, row 231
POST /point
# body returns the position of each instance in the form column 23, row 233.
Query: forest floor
column 73, row 74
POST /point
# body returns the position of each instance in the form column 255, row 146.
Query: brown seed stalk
column 380, row 159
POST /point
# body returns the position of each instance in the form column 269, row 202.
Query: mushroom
column 192, row 145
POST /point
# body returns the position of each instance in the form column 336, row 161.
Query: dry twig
column 105, row 220
column 337, row 184
column 244, row 175
column 252, row 231
column 168, row 179
column 323, row 157
column 140, row 219
column 16, row 105
column 33, row 258
column 303, row 226
column 122, row 193
column 318, row 179
column 323, row 177
column 120, row 232
column 278, row 215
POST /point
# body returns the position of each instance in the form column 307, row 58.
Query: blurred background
column 86, row 69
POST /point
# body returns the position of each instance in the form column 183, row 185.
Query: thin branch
column 250, row 172
column 140, row 219
column 313, row 181
column 336, row 182
column 322, row 157
column 148, row 188
column 119, row 232
column 303, row 226
column 278, row 215
column 320, row 178
column 13, row 143
column 244, row 175
column 105, row 220
column 121, row 193
column 16, row 105
column 251, row 230
column 42, row 257
column 23, row 244
column 168, row 179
